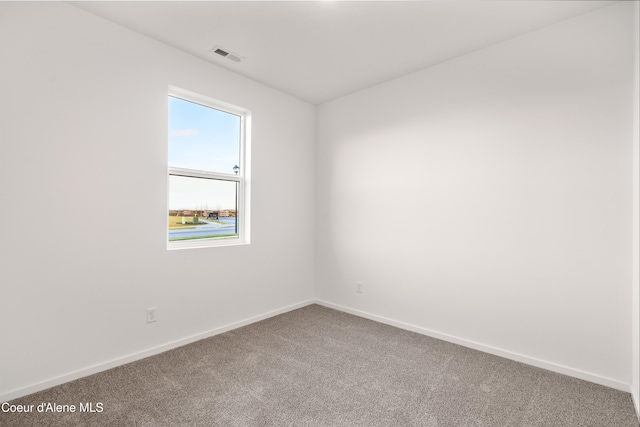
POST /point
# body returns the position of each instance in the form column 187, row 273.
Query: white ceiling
column 322, row 50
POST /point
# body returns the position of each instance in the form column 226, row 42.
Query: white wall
column 83, row 195
column 488, row 200
column 636, row 213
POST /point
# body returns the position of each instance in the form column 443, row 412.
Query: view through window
column 206, row 176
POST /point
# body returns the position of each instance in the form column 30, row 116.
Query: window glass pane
column 202, row 208
column 203, row 138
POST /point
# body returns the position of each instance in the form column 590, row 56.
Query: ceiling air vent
column 226, row 53
column 221, row 52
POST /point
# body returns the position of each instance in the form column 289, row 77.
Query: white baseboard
column 554, row 367
column 142, row 354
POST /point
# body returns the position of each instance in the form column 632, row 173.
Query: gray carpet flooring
column 319, row 367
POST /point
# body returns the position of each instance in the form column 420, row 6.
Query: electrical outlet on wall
column 359, row 287
column 152, row 315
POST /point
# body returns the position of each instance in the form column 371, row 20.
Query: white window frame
column 242, row 178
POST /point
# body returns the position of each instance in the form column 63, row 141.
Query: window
column 207, row 172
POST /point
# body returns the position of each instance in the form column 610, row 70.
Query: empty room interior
column 434, row 216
